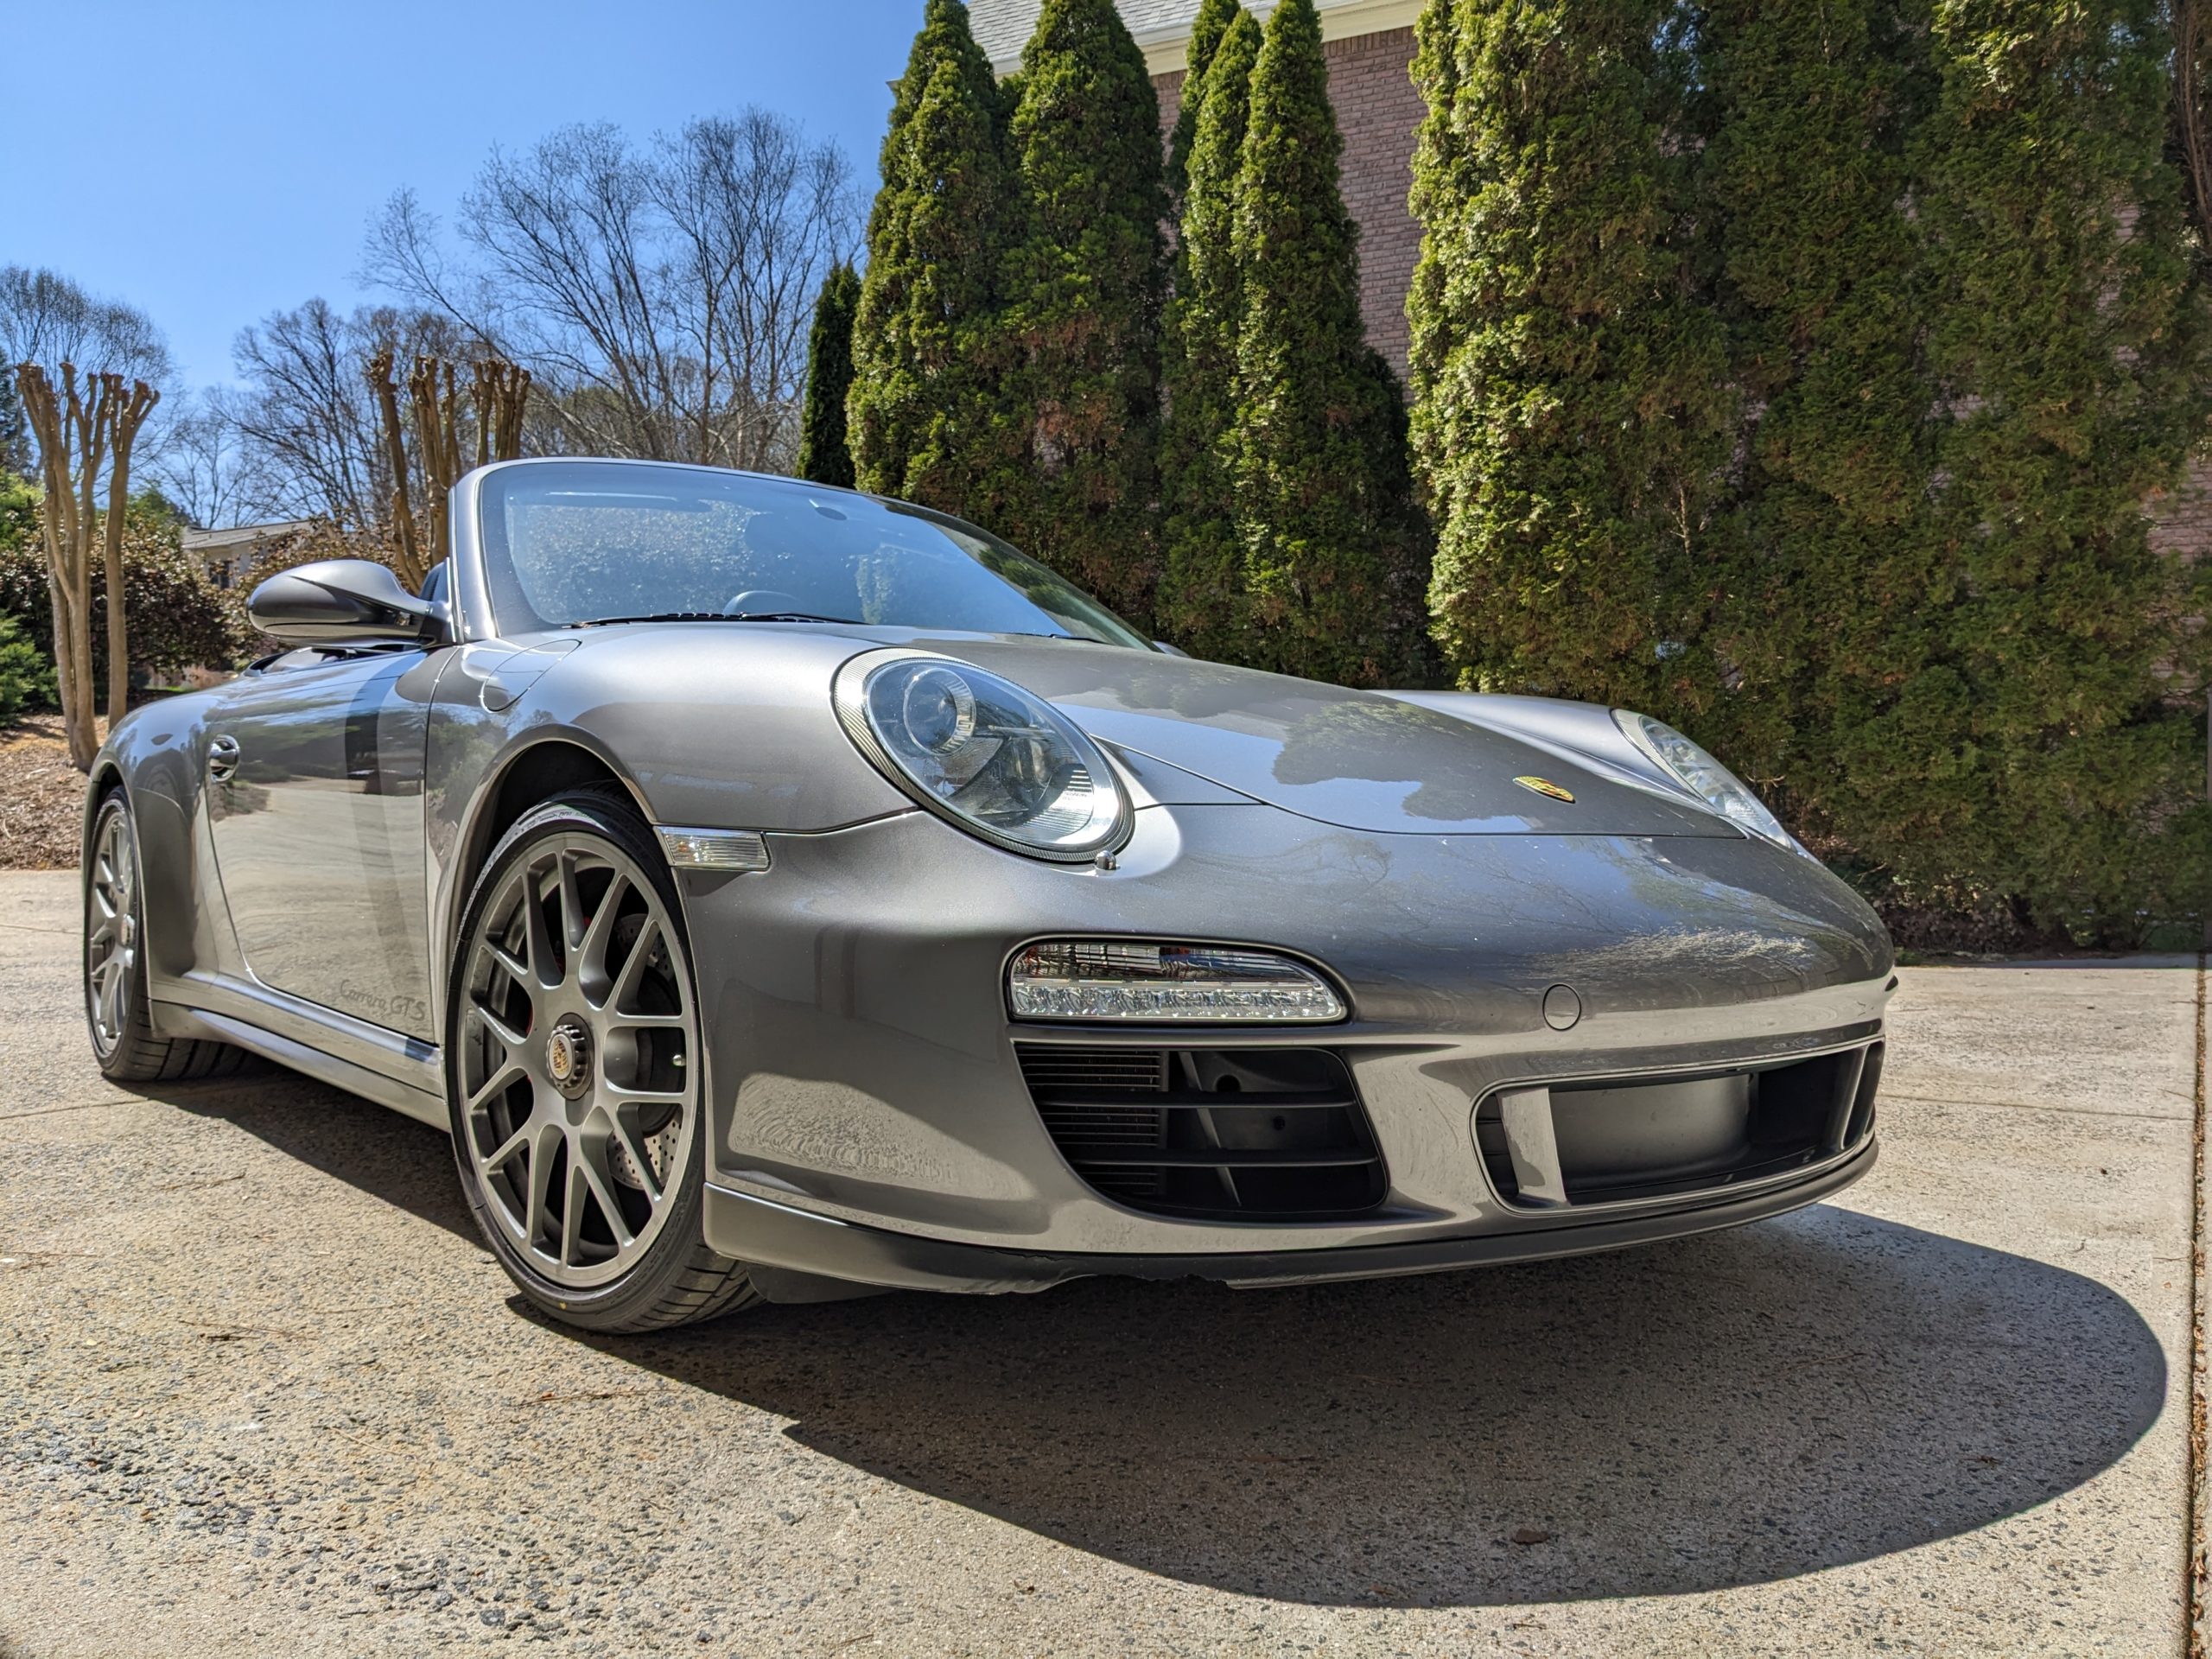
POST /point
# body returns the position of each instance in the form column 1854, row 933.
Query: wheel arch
column 548, row 764
column 106, row 779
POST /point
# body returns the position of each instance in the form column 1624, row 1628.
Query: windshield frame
column 481, row 492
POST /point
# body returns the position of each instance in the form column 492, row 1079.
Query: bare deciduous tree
column 308, row 421
column 207, row 471
column 47, row 319
column 660, row 300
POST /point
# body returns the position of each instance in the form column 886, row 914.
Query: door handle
column 223, row 759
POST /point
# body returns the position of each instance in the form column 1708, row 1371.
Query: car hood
column 1359, row 759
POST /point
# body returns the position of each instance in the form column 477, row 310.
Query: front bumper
column 759, row 1231
column 865, row 1082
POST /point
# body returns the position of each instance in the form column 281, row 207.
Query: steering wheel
column 762, row 601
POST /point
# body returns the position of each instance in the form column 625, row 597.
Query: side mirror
column 342, row 602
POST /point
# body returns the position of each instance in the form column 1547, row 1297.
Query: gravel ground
column 41, row 797
column 262, row 1392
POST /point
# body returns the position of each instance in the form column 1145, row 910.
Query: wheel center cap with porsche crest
column 1545, row 787
column 568, row 1058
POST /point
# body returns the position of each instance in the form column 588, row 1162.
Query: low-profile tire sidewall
column 625, row 1301
column 118, row 1062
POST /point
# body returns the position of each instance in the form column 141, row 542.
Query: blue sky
column 210, row 160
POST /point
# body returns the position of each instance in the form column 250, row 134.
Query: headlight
column 1113, row 979
column 1703, row 777
column 983, row 752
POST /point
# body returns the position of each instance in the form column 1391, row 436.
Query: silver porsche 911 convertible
column 779, row 892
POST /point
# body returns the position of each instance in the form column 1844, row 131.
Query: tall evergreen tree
column 1206, row 31
column 15, row 432
column 1573, row 407
column 823, row 454
column 923, row 423
column 2066, row 341
column 1202, row 584
column 1078, row 337
column 1335, row 549
column 1819, row 578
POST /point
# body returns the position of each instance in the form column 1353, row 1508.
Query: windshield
column 572, row 542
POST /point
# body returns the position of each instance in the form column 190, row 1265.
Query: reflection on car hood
column 1354, row 758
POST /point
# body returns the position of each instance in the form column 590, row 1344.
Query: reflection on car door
column 317, row 827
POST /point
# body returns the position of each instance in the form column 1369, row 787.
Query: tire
column 573, row 1075
column 118, row 1015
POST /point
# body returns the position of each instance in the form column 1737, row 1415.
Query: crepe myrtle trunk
column 1076, row 338
column 1335, row 551
column 2066, row 339
column 127, row 415
column 922, row 420
column 1573, row 409
column 823, row 455
column 1202, row 585
column 86, row 426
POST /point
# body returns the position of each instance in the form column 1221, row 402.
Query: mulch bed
column 41, row 797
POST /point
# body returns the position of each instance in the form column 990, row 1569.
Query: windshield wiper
column 716, row 616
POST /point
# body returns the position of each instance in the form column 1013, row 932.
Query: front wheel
column 575, row 1074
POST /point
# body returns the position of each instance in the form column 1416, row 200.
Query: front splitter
column 765, row 1233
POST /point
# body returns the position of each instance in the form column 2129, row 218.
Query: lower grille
column 1251, row 1134
column 1658, row 1137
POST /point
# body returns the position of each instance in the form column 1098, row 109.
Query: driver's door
column 316, row 796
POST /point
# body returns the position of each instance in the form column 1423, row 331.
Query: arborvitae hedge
column 1335, row 552
column 823, row 455
column 1807, row 373
column 1575, row 400
column 1212, row 21
column 1202, row 587
column 922, row 410
column 1815, row 583
column 2066, row 340
column 1078, row 337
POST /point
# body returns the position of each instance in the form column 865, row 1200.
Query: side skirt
column 401, row 1072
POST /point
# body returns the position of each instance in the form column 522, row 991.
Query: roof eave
column 1166, row 51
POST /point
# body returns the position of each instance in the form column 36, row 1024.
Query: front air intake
column 1246, row 1134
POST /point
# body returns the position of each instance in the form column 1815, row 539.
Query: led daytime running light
column 1145, row 984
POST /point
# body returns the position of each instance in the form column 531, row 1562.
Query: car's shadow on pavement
column 1732, row 1410
column 1735, row 1408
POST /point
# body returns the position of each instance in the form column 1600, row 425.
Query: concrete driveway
column 262, row 1392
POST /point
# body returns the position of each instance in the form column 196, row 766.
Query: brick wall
column 1371, row 85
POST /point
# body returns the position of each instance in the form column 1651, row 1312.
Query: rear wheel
column 574, row 1073
column 116, row 1010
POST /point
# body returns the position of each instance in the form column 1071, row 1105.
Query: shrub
column 1202, row 586
column 178, row 618
column 921, row 421
column 2065, row 336
column 27, row 684
column 1335, row 552
column 1077, row 335
column 1816, row 570
column 823, row 454
column 1574, row 405
column 1207, row 29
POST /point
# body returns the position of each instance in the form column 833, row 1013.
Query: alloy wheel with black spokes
column 577, row 1077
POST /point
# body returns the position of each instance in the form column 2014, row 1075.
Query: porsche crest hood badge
column 1545, row 787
